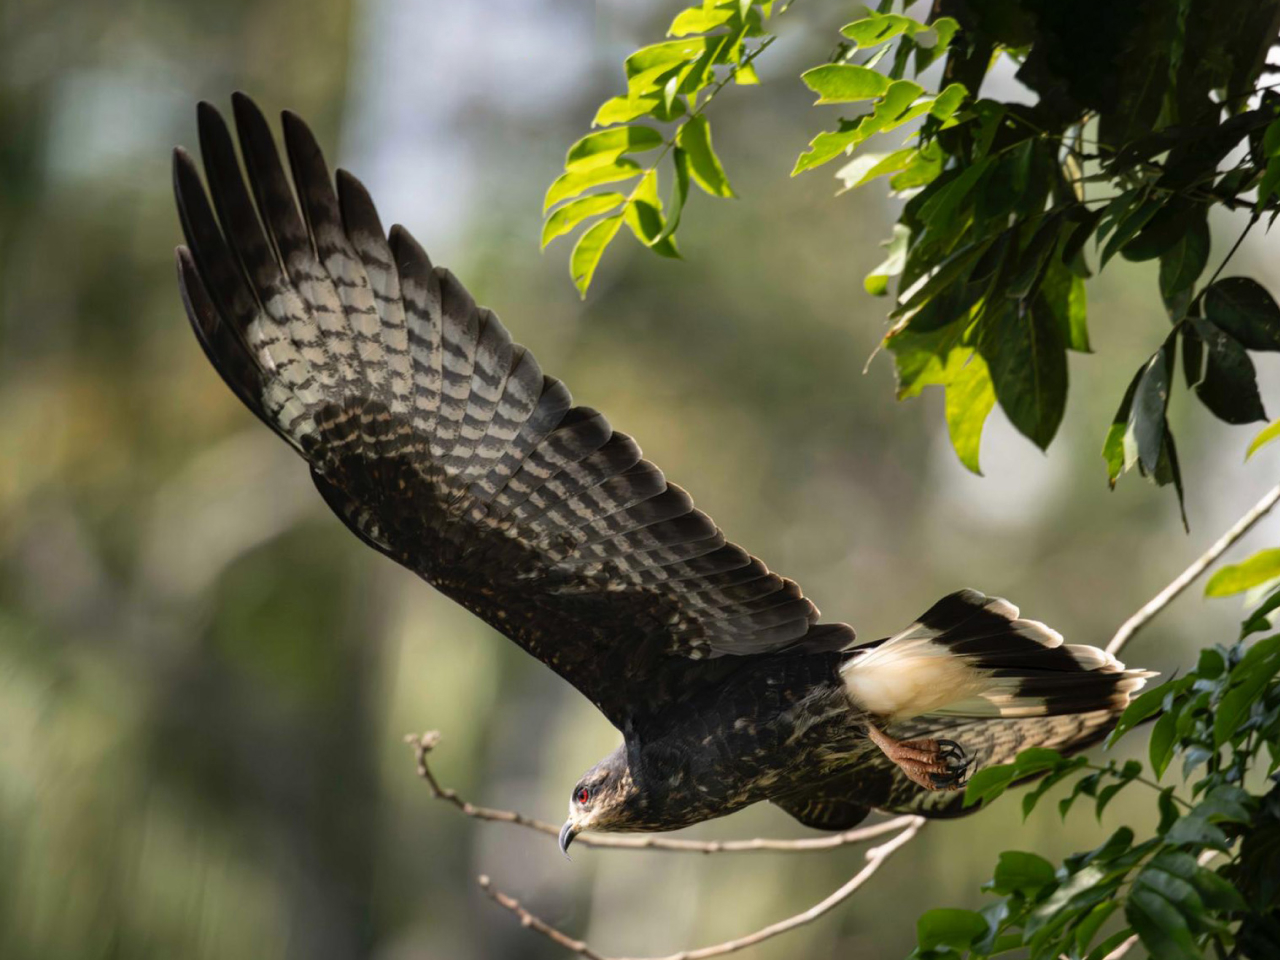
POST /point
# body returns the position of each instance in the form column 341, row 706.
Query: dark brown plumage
column 442, row 444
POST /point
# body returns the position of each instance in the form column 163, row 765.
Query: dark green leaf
column 1028, row 363
column 949, row 927
column 1229, row 385
column 1162, row 743
column 1161, row 927
column 1024, row 873
column 1147, row 427
column 1182, row 264
column 1244, row 309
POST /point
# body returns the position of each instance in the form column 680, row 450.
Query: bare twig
column 423, row 744
column 875, row 857
column 1184, row 579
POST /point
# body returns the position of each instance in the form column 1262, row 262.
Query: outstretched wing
column 442, row 444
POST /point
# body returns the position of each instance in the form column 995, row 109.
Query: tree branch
column 423, row 744
column 875, row 857
column 1185, row 579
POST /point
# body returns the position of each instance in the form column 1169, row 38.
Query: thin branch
column 875, row 857
column 1184, row 579
column 423, row 744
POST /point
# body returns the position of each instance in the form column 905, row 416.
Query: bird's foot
column 933, row 764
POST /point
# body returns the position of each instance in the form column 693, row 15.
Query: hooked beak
column 567, row 833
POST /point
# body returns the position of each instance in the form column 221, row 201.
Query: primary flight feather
column 442, row 444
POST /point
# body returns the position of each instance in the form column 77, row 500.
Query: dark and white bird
column 442, row 444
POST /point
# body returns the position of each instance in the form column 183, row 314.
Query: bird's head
column 601, row 800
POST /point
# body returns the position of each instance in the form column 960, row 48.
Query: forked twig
column 1185, row 579
column 875, row 857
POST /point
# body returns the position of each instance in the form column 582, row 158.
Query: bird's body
column 442, row 444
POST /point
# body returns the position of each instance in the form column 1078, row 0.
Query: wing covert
column 442, row 443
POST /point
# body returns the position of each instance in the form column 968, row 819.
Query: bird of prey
column 442, row 444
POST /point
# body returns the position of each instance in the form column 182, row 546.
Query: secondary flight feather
column 441, row 443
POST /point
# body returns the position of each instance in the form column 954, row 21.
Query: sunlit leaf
column 604, row 148
column 573, row 183
column 970, row 397
column 1238, row 577
column 573, row 213
column 845, row 82
column 694, row 138
column 700, row 20
column 644, row 216
column 1267, row 434
column 590, row 247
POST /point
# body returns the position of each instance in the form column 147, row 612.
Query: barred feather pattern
column 443, row 444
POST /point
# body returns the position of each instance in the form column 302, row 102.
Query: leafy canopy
column 1149, row 114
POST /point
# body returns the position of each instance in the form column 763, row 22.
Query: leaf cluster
column 1148, row 116
column 1222, row 722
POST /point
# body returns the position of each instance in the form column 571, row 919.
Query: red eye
column 583, row 795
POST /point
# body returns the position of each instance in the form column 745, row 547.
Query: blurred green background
column 205, row 680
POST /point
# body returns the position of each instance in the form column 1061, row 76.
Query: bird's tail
column 972, row 657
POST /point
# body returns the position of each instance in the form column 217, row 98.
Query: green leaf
column 625, row 109
column 876, row 28
column 1243, row 308
column 571, row 184
column 845, row 83
column 970, row 397
column 1161, row 927
column 1028, row 364
column 573, row 213
column 1113, row 447
column 946, row 103
column 704, row 166
column 988, row 783
column 1268, row 433
column 1146, row 704
column 1234, row 708
column 588, row 250
column 1163, row 736
column 1024, row 873
column 892, row 110
column 1238, row 577
column 644, row 216
column 605, row 147
column 679, row 192
column 700, row 20
column 1229, row 383
column 877, row 281
column 1147, row 428
column 865, row 167
column 1182, row 264
column 645, row 65
column 949, row 927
